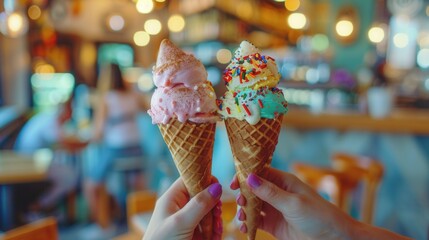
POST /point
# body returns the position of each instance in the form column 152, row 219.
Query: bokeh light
column 144, row 6
column 145, row 83
column 45, row 68
column 34, row 12
column 423, row 40
column 376, row 34
column 116, row 23
column 152, row 26
column 297, row 20
column 141, row 38
column 344, row 28
column 13, row 24
column 223, row 56
column 176, row 23
column 320, row 42
column 400, row 40
column 423, row 58
column 292, row 5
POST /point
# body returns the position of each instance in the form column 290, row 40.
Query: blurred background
column 355, row 75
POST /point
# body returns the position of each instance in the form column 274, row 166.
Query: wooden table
column 18, row 168
column 410, row 121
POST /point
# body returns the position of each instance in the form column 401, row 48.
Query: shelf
column 233, row 19
column 400, row 121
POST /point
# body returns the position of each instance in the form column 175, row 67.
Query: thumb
column 202, row 203
column 269, row 192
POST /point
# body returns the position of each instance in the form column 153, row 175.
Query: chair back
column 45, row 229
column 326, row 181
column 368, row 171
column 138, row 203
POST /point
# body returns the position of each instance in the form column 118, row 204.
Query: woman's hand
column 292, row 210
column 176, row 216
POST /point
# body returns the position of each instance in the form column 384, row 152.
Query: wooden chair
column 339, row 182
column 139, row 204
column 45, row 229
column 369, row 171
column 335, row 185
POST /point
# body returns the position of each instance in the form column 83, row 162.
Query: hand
column 292, row 210
column 176, row 216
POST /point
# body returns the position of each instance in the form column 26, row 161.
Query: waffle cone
column 191, row 146
column 252, row 147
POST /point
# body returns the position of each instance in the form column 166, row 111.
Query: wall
column 15, row 71
column 90, row 24
column 351, row 56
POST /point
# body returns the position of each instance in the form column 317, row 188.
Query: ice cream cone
column 252, row 147
column 184, row 107
column 191, row 145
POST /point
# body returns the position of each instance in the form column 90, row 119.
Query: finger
column 268, row 192
column 174, row 198
column 194, row 211
column 178, row 187
column 234, row 183
column 284, row 180
column 197, row 235
column 269, row 215
column 217, row 232
column 214, row 179
column 217, row 211
column 218, row 226
column 243, row 228
column 241, row 215
column 241, row 200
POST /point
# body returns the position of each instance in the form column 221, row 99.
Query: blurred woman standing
column 115, row 125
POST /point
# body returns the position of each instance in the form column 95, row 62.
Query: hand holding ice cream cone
column 253, row 109
column 184, row 107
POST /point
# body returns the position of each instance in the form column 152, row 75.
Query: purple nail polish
column 254, row 181
column 237, row 199
column 215, row 190
column 240, row 200
column 240, row 215
column 243, row 228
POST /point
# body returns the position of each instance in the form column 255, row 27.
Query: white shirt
column 121, row 129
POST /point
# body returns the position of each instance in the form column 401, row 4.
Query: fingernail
column 241, row 215
column 243, row 228
column 215, row 190
column 254, row 181
column 240, row 200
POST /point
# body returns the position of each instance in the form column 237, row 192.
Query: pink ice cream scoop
column 183, row 90
column 184, row 103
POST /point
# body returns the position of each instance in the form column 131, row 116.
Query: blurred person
column 115, row 126
column 291, row 210
column 45, row 130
